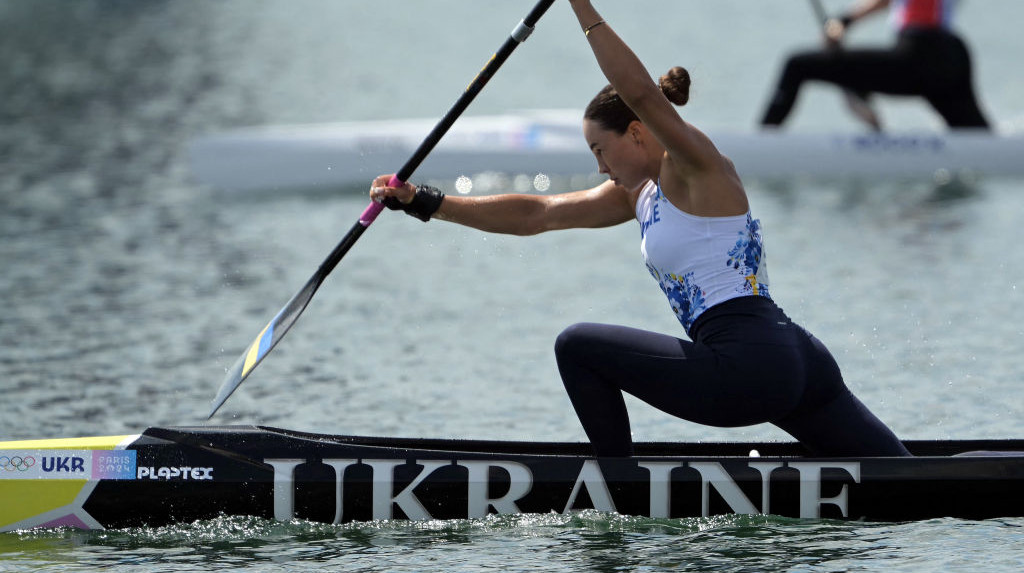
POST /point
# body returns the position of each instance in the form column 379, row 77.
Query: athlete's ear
column 636, row 132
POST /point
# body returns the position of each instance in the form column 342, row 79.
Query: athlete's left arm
column 627, row 74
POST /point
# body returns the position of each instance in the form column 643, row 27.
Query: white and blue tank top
column 699, row 261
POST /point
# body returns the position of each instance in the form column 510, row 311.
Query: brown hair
column 608, row 109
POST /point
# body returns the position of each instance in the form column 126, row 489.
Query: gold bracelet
column 586, row 31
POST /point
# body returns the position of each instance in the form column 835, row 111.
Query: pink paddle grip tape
column 374, row 208
column 370, row 213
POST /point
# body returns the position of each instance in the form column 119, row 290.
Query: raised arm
column 692, row 173
column 627, row 74
column 521, row 214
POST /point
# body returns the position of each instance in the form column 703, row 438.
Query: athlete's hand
column 380, row 192
column 835, row 31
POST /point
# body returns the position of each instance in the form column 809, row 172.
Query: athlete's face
column 620, row 156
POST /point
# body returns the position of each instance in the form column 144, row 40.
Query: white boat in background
column 550, row 142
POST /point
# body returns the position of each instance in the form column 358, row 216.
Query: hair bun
column 675, row 84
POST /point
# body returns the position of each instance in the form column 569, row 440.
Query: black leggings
column 748, row 364
column 930, row 63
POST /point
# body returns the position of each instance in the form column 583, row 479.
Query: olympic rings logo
column 17, row 463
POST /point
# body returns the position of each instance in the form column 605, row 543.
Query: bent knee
column 574, row 340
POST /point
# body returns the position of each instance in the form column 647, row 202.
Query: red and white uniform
column 921, row 13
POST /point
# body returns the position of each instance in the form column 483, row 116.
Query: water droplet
column 541, row 182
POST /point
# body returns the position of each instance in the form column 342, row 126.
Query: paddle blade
column 265, row 342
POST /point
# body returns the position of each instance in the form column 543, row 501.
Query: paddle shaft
column 518, row 36
column 856, row 102
column 284, row 319
column 819, row 10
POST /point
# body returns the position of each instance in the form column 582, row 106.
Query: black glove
column 425, row 202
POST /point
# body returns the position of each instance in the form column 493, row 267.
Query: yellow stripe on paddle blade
column 254, row 354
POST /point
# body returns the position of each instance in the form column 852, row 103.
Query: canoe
column 550, row 142
column 168, row 475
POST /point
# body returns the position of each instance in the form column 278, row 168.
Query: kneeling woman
column 746, row 362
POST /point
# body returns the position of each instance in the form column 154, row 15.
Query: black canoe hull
column 173, row 475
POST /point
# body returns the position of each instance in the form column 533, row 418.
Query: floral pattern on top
column 684, row 295
column 746, row 257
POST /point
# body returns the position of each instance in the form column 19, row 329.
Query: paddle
column 284, row 320
column 856, row 102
